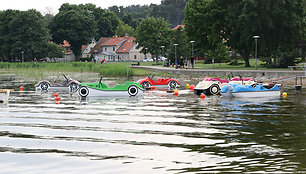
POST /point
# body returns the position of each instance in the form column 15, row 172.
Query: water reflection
column 156, row 133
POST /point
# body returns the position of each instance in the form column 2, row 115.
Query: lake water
column 156, row 133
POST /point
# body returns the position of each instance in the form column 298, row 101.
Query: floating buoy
column 191, row 87
column 187, row 86
column 55, row 94
column 175, row 90
column 153, row 87
column 21, row 88
column 57, row 99
column 284, row 94
column 202, row 96
column 176, row 93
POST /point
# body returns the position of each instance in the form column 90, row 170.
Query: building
column 117, row 49
column 69, row 56
column 86, row 49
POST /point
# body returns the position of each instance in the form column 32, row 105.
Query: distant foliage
column 170, row 10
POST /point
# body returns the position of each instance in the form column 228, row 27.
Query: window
column 113, row 48
column 105, row 49
column 135, row 57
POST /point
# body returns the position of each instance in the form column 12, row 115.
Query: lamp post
column 192, row 53
column 256, row 37
column 175, row 50
column 22, row 58
column 146, row 53
column 63, row 55
column 162, row 47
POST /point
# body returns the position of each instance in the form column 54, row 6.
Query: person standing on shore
column 181, row 62
column 192, row 61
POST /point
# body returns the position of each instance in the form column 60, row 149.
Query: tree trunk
column 246, row 61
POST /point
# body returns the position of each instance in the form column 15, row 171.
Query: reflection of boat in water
column 249, row 91
column 4, row 95
column 96, row 99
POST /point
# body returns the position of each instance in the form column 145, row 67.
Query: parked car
column 147, row 60
column 162, row 58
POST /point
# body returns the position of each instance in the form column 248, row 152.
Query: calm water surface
column 157, row 133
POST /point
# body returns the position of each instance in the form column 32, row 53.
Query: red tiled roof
column 127, row 45
column 178, row 26
column 114, row 41
column 83, row 48
column 99, row 44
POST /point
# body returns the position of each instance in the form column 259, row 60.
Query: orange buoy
column 176, row 93
column 21, row 88
column 202, row 96
column 57, row 99
column 191, row 87
column 55, row 94
column 153, row 87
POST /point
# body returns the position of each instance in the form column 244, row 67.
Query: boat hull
column 253, row 94
column 226, row 94
column 4, row 96
column 86, row 91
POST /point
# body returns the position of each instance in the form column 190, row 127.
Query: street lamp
column 146, row 53
column 22, row 58
column 256, row 37
column 163, row 54
column 63, row 52
column 175, row 53
column 192, row 51
column 175, row 49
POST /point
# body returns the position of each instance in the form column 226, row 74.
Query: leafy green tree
column 74, row 24
column 5, row 38
column 107, row 21
column 277, row 22
column 54, row 50
column 153, row 33
column 183, row 47
column 123, row 29
column 26, row 31
column 171, row 11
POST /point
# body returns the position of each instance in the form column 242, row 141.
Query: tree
column 183, row 47
column 153, row 33
column 107, row 21
column 74, row 24
column 54, row 50
column 123, row 29
column 5, row 38
column 23, row 31
column 235, row 23
column 205, row 24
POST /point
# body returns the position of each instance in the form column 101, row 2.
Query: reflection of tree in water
column 263, row 135
column 270, row 130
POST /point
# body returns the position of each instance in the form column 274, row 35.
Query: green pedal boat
column 102, row 90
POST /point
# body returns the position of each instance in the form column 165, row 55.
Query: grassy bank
column 109, row 69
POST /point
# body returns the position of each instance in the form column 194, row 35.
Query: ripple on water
column 156, row 133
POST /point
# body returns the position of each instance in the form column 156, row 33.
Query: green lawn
column 225, row 66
